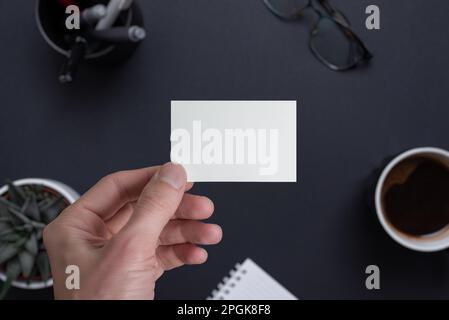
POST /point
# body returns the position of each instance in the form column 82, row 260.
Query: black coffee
column 416, row 196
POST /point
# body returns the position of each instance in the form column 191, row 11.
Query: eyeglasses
column 332, row 40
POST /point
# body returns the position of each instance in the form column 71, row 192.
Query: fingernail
column 173, row 174
column 203, row 255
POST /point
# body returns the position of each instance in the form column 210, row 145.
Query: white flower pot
column 68, row 193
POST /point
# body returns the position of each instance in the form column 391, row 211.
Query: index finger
column 115, row 190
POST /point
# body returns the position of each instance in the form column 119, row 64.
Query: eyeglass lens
column 287, row 8
column 334, row 44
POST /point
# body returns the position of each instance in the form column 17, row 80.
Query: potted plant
column 26, row 207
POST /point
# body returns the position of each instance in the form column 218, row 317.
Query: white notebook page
column 250, row 282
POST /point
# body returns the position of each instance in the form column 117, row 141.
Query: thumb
column 156, row 205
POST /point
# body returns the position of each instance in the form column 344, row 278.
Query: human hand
column 126, row 231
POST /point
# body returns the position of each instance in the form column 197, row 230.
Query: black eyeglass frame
column 336, row 17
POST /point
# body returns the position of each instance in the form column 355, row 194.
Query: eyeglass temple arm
column 367, row 55
column 331, row 10
column 334, row 13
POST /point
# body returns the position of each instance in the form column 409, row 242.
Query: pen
column 119, row 34
column 93, row 14
column 114, row 8
column 70, row 67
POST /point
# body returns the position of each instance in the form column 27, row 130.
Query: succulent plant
column 24, row 213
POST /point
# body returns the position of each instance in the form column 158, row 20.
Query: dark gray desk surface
column 316, row 236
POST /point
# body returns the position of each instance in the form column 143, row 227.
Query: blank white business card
column 235, row 141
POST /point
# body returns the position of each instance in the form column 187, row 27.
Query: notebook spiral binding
column 224, row 287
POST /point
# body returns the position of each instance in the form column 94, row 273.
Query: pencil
column 119, row 34
column 114, row 8
column 70, row 67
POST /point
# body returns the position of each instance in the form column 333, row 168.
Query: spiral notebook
column 248, row 281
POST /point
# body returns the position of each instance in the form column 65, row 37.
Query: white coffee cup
column 427, row 243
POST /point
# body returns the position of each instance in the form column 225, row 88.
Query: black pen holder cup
column 51, row 16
